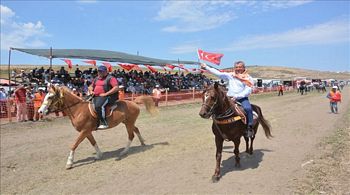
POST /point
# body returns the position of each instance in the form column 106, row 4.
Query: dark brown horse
column 227, row 125
column 78, row 111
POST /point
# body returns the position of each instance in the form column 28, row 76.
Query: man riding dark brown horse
column 227, row 125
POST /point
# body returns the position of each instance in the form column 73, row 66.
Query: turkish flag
column 69, row 62
column 127, row 67
column 214, row 58
column 151, row 68
column 108, row 65
column 92, row 62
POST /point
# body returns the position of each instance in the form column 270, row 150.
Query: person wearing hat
column 105, row 90
column 38, row 100
column 334, row 97
column 157, row 94
column 20, row 100
column 121, row 95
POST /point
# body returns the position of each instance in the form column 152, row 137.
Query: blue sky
column 301, row 34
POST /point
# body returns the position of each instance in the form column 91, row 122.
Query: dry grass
column 329, row 173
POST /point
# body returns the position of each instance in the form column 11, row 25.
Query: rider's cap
column 335, row 87
column 157, row 85
column 121, row 86
column 102, row 69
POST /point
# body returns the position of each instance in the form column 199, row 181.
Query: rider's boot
column 103, row 124
column 249, row 132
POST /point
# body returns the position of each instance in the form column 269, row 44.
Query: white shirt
column 236, row 88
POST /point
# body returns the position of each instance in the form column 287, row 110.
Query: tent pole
column 50, row 65
column 9, row 69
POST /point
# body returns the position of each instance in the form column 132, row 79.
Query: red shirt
column 100, row 82
column 20, row 95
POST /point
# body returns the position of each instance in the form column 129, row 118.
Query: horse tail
column 148, row 102
column 264, row 123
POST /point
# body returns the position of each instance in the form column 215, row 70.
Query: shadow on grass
column 115, row 154
column 247, row 161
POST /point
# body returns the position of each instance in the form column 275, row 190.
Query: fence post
column 132, row 96
column 166, row 96
column 193, row 93
column 9, row 114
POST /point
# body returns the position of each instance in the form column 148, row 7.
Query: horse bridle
column 60, row 102
column 211, row 108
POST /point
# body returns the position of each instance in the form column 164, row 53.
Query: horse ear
column 216, row 85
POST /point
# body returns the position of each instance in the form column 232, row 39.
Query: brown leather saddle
column 238, row 114
column 109, row 109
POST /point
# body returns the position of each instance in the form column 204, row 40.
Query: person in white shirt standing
column 240, row 86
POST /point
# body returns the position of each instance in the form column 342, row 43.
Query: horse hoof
column 69, row 166
column 215, row 178
column 98, row 157
column 237, row 165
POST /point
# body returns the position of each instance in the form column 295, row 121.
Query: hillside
column 270, row 72
column 265, row 72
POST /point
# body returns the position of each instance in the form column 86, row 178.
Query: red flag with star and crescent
column 214, row 58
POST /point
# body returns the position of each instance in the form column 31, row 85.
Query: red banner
column 170, row 66
column 127, row 67
column 151, row 68
column 92, row 62
column 69, row 62
column 108, row 65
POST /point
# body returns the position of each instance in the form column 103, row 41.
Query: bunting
column 69, row 62
column 108, row 65
column 92, row 62
column 151, row 68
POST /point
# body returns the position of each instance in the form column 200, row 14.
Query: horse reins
column 229, row 111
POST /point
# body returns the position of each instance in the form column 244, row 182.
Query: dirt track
column 179, row 156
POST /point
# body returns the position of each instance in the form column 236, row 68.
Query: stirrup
column 102, row 127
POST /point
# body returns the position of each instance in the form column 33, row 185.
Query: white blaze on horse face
column 46, row 103
column 206, row 96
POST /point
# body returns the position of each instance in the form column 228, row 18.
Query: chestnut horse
column 77, row 109
column 227, row 125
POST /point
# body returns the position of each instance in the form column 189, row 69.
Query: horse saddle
column 238, row 113
column 109, row 108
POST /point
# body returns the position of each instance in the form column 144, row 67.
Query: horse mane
column 67, row 91
column 223, row 98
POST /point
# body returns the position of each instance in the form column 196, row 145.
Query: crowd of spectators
column 138, row 82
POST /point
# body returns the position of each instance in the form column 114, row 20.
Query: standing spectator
column 30, row 106
column 20, row 100
column 121, row 92
column 3, row 98
column 38, row 100
column 280, row 89
column 156, row 95
column 334, row 97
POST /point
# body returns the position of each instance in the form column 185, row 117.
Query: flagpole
column 9, row 69
column 178, row 63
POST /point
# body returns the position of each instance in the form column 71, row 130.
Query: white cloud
column 330, row 32
column 17, row 34
column 194, row 16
